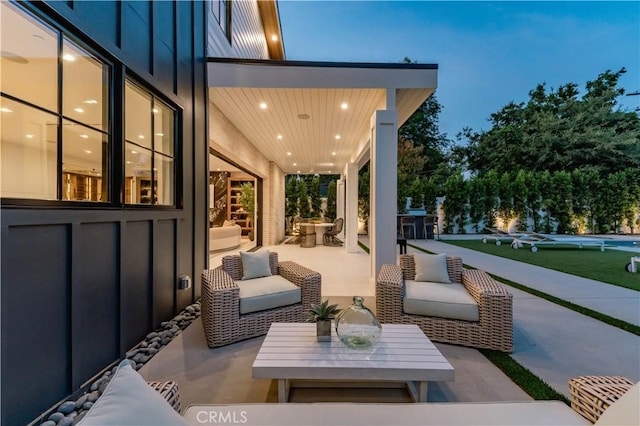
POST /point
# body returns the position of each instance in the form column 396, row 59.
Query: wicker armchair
column 591, row 395
column 168, row 391
column 494, row 330
column 220, row 301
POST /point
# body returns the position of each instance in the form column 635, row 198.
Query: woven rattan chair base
column 169, row 391
column 220, row 301
column 494, row 330
column 591, row 395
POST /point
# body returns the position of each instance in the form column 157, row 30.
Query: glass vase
column 357, row 327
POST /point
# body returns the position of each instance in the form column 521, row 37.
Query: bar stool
column 410, row 222
column 430, row 222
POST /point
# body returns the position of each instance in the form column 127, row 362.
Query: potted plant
column 247, row 201
column 322, row 314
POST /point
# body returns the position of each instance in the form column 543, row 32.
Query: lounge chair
column 493, row 329
column 222, row 314
column 534, row 240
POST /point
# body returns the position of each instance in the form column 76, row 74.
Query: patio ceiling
column 303, row 126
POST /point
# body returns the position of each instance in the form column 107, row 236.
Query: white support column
column 351, row 209
column 384, row 179
column 340, row 203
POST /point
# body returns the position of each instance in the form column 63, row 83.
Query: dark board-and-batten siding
column 81, row 285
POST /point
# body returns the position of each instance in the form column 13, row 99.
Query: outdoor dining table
column 318, row 228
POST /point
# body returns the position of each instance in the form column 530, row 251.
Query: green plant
column 323, row 311
column 248, row 203
column 247, row 199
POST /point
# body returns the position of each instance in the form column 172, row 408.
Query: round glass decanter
column 357, row 327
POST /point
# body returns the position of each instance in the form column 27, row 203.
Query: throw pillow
column 255, row 264
column 228, row 223
column 129, row 400
column 432, row 268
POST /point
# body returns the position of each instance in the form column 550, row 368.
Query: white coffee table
column 403, row 354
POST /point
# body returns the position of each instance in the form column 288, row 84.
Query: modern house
column 115, row 116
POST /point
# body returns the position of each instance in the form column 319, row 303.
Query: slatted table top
column 403, row 353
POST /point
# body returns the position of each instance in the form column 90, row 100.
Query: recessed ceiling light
column 88, row 151
column 128, row 162
column 303, row 116
column 279, row 136
column 331, row 164
column 134, row 152
column 344, row 105
column 337, row 136
column 84, row 136
column 90, row 101
column 68, row 57
column 155, row 110
column 80, row 110
column 5, row 109
column 29, row 136
column 295, row 164
column 218, row 169
column 274, row 37
column 298, row 171
column 263, row 105
column 140, row 136
column 333, row 153
column 288, row 153
column 159, row 134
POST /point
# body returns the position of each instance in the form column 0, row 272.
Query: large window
column 149, row 148
column 221, row 10
column 55, row 135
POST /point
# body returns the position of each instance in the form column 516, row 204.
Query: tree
column 330, row 213
column 455, row 204
column 410, row 163
column 303, row 200
column 556, row 130
column 291, row 194
column 316, row 201
column 416, row 192
column 364, row 191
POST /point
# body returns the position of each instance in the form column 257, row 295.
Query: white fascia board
column 269, row 75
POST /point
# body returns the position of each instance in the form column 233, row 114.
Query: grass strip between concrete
column 537, row 388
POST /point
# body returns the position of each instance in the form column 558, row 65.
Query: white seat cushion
column 624, row 411
column 439, row 300
column 270, row 292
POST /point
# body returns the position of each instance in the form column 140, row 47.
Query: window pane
column 29, row 151
column 163, row 128
column 137, row 116
column 164, row 177
column 84, row 87
column 137, row 175
column 84, row 163
column 29, row 53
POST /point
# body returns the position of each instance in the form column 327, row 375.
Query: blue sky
column 489, row 53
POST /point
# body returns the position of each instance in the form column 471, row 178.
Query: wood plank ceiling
column 321, row 143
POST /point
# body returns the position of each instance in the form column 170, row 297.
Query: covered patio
column 274, row 118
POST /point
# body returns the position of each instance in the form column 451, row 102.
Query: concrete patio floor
column 553, row 342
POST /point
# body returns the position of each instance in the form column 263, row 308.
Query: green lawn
column 588, row 262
